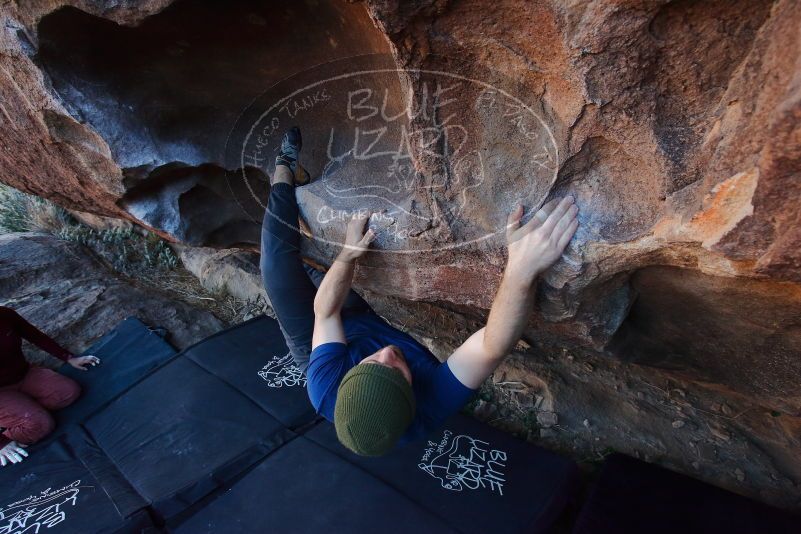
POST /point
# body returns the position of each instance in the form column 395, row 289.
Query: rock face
column 231, row 271
column 674, row 124
column 133, row 109
column 75, row 299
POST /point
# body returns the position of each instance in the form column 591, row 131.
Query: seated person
column 28, row 394
column 379, row 386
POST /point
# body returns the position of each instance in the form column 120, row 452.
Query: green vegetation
column 124, row 248
column 131, row 251
column 128, row 250
column 20, row 212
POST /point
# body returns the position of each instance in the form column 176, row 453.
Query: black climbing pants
column 291, row 284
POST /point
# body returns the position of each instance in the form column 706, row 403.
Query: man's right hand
column 336, row 283
column 12, row 453
column 357, row 241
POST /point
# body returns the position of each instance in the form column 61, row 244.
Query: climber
column 378, row 385
column 27, row 393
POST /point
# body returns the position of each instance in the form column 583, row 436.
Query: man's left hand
column 536, row 245
column 83, row 362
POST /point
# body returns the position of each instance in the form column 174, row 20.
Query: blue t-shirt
column 438, row 393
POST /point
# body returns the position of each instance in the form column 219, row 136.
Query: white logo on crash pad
column 37, row 512
column 464, row 463
column 281, row 371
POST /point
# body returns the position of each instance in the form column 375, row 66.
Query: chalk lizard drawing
column 36, row 512
column 464, row 463
column 281, row 371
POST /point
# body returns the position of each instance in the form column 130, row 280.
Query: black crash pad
column 127, row 353
column 253, row 358
column 181, row 432
column 207, row 445
column 473, row 477
column 631, row 496
column 302, row 487
column 54, row 491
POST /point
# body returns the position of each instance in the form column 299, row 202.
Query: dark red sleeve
column 27, row 331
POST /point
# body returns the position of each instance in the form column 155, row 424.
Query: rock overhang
column 676, row 156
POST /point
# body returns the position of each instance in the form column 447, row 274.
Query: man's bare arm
column 337, row 282
column 533, row 247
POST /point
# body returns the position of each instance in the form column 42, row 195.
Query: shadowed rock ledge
column 76, row 299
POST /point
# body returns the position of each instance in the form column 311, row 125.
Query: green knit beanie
column 375, row 405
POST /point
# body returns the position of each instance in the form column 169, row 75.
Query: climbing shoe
column 291, row 144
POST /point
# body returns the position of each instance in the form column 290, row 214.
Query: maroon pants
column 25, row 406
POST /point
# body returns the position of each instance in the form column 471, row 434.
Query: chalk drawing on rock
column 281, row 371
column 37, row 512
column 464, row 463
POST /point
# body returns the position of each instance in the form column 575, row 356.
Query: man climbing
column 28, row 394
column 378, row 385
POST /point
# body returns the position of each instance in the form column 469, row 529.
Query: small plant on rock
column 21, row 212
